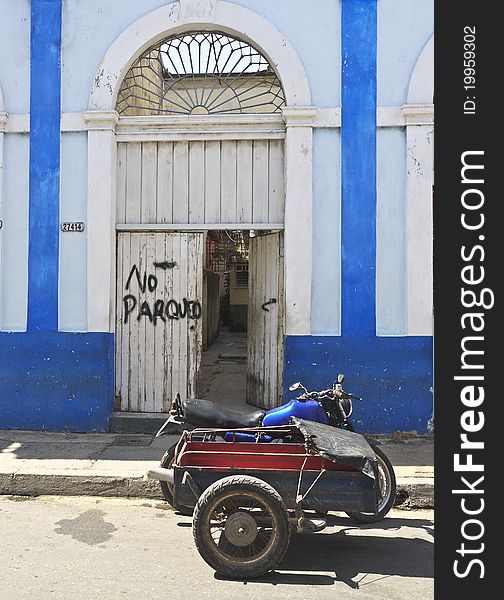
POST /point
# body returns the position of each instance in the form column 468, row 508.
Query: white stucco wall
column 391, row 231
column 15, row 55
column 73, row 207
column 15, row 85
column 14, row 234
column 404, row 26
column 314, row 29
column 89, row 28
column 326, row 274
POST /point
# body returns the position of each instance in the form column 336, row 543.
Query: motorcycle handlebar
column 329, row 392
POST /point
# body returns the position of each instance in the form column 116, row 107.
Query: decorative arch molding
column 188, row 15
column 102, row 119
column 421, row 84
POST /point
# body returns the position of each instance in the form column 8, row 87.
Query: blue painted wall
column 58, row 381
column 45, row 78
column 358, row 167
column 393, row 375
column 49, row 379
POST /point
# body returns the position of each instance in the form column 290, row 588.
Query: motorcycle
column 332, row 406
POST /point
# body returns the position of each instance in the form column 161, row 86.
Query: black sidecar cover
column 345, row 447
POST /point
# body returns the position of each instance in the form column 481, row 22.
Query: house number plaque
column 73, row 226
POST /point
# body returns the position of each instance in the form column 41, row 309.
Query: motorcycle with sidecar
column 331, row 407
column 250, row 494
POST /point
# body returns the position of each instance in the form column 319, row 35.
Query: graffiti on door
column 157, row 308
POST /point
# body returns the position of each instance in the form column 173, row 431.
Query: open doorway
column 242, row 358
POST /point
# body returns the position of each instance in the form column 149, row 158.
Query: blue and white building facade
column 357, row 125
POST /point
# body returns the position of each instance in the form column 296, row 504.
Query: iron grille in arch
column 200, row 72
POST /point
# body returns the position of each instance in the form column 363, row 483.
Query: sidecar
column 249, row 496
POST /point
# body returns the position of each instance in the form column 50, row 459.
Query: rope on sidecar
column 299, row 497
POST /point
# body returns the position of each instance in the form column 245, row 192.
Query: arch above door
column 102, row 119
column 172, row 19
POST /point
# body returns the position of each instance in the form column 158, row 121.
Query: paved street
column 72, row 548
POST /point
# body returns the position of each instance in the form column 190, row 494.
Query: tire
column 241, row 527
column 166, row 488
column 387, row 499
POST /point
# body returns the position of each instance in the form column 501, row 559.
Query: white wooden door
column 265, row 328
column 159, row 320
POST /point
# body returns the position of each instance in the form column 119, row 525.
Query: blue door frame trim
column 358, row 167
column 45, row 101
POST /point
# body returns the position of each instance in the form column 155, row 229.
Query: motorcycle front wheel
column 387, row 483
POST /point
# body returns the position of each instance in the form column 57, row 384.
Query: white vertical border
column 3, row 122
column 419, row 118
column 101, row 217
column 298, row 218
column 419, row 234
column 102, row 118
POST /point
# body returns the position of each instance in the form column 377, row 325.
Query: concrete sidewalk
column 43, row 463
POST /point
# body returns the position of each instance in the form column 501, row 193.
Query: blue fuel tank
column 309, row 410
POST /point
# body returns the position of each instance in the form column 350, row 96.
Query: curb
column 410, row 494
column 22, row 484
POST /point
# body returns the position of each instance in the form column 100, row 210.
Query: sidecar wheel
column 241, row 527
column 387, row 491
column 166, row 488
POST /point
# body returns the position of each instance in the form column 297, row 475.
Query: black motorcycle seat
column 203, row 413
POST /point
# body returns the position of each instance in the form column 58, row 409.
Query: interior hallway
column 223, row 373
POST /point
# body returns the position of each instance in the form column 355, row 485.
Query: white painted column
column 3, row 121
column 298, row 218
column 420, row 179
column 101, row 217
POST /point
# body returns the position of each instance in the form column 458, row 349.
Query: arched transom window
column 203, row 73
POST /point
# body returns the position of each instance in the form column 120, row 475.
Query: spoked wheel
column 387, row 484
column 167, row 488
column 241, row 527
